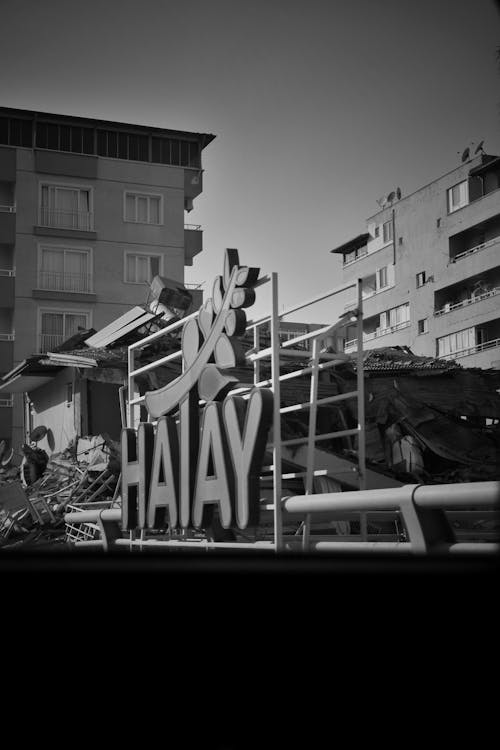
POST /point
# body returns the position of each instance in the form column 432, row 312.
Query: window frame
column 423, row 276
column 452, row 207
column 59, row 311
column 391, row 232
column 143, row 194
column 67, row 186
column 143, row 255
column 425, row 326
column 89, row 251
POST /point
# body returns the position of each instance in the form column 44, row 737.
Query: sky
column 319, row 108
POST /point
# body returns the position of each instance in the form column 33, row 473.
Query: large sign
column 179, row 474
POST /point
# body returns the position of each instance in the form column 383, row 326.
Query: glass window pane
column 52, row 137
column 41, row 135
column 184, row 153
column 143, row 142
column 122, row 146
column 133, row 147
column 112, row 144
column 155, row 266
column 130, row 268
column 65, row 135
column 130, row 208
column 88, row 141
column 26, row 133
column 175, row 152
column 142, row 208
column 102, row 143
column 4, row 130
column 154, row 207
column 143, row 269
column 76, row 140
column 156, row 150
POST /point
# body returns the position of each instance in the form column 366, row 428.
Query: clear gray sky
column 319, row 107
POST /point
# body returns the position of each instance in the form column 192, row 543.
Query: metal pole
column 275, row 378
column 311, row 442
column 361, row 410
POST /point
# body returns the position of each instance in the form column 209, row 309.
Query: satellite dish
column 38, row 434
column 466, row 154
column 398, row 194
column 479, row 148
column 391, row 197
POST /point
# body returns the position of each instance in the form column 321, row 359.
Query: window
column 422, row 326
column 421, row 279
column 143, row 208
column 140, row 269
column 66, row 207
column 388, row 231
column 65, row 269
column 56, row 326
column 377, row 231
column 382, row 278
column 121, row 145
column 458, row 196
column 456, row 342
column 395, row 317
column 355, row 254
column 15, row 132
column 72, row 138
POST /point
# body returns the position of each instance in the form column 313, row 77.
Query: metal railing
column 469, row 301
column 10, row 209
column 6, row 402
column 352, row 343
column 11, row 272
column 7, row 336
column 65, row 282
column 62, row 219
column 471, row 350
column 194, row 227
column 475, row 249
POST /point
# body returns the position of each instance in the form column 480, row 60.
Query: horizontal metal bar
column 156, row 363
column 92, row 516
column 137, row 400
column 325, row 436
column 203, row 543
column 320, row 402
column 142, row 343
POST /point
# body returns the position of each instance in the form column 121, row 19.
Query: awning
column 357, row 242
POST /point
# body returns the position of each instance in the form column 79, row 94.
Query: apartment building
column 90, row 211
column 430, row 268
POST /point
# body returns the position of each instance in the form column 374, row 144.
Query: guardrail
column 468, row 301
column 475, row 249
column 471, row 350
column 10, row 272
column 8, row 209
column 7, row 336
column 421, row 508
column 376, row 334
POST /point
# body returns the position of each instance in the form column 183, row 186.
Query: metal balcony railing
column 376, row 334
column 58, row 281
column 471, row 350
column 49, row 341
column 6, row 402
column 7, row 337
column 62, row 219
column 469, row 301
column 475, row 249
column 8, row 272
column 10, row 209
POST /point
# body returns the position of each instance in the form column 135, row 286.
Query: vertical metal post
column 131, row 389
column 361, row 409
column 275, row 375
column 311, row 438
column 256, row 346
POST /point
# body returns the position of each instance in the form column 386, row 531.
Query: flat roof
column 357, row 242
column 204, row 138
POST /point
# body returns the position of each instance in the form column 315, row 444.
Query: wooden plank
column 115, row 326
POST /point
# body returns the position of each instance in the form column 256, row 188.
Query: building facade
column 90, row 211
column 430, row 266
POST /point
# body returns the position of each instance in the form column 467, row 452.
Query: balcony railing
column 6, row 402
column 7, row 336
column 471, row 350
column 376, row 334
column 469, row 301
column 61, row 219
column 49, row 341
column 475, row 249
column 56, row 281
column 11, row 209
column 193, row 227
column 8, row 272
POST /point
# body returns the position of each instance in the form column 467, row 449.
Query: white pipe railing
column 469, row 301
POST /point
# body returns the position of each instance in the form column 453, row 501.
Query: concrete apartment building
column 430, row 265
column 90, row 211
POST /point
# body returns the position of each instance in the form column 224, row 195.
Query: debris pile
column 86, row 473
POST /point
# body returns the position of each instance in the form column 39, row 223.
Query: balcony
column 56, row 281
column 58, row 218
column 469, row 301
column 352, row 344
column 6, row 351
column 7, row 276
column 476, row 249
column 484, row 346
column 7, row 224
column 193, row 242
